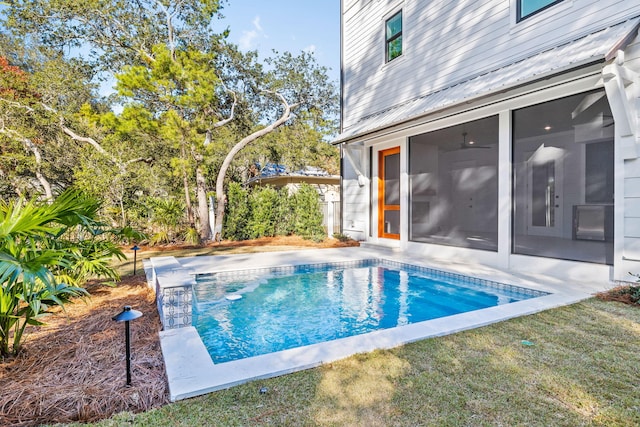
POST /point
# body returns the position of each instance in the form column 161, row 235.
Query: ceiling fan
column 465, row 145
column 611, row 123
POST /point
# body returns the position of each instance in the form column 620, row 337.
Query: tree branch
column 147, row 160
column 220, row 197
column 29, row 145
column 170, row 30
column 18, row 105
column 73, row 135
column 231, row 114
column 207, row 138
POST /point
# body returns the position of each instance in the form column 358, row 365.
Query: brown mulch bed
column 627, row 294
column 294, row 241
column 74, row 367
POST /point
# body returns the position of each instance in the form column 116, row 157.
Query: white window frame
column 537, row 18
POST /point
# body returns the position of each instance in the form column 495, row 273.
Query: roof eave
column 473, row 100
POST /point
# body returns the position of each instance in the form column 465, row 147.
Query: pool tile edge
column 191, row 372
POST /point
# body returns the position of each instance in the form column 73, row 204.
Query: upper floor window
column 393, row 36
column 526, row 8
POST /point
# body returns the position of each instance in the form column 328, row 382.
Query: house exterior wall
column 629, row 207
column 445, row 42
column 355, row 200
column 449, row 42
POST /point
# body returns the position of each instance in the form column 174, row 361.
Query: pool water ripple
column 292, row 307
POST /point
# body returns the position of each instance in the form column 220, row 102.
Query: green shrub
column 131, row 235
column 264, row 212
column 307, row 214
column 47, row 252
column 167, row 215
column 284, row 214
column 192, row 236
column 236, row 213
column 342, row 237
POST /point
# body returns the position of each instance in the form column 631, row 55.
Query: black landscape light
column 135, row 250
column 126, row 316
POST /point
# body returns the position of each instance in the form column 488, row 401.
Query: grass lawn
column 583, row 369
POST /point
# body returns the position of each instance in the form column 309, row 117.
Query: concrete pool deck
column 191, row 372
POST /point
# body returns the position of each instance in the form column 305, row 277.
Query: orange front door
column 389, row 193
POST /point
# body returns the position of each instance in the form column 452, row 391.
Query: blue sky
column 294, row 26
column 284, row 25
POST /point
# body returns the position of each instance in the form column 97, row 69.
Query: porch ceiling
column 594, row 47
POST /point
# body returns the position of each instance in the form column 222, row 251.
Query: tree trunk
column 221, row 197
column 203, row 207
column 187, row 198
column 43, row 181
column 221, row 201
column 123, row 213
column 185, row 183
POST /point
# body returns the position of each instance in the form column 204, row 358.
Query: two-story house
column 504, row 132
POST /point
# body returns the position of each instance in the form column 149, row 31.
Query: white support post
column 621, row 83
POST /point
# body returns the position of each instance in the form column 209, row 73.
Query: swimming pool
column 248, row 313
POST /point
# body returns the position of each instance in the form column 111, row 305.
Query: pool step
column 173, row 285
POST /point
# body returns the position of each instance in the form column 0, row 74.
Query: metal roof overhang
column 596, row 47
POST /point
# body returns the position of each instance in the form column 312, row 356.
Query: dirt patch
column 74, row 367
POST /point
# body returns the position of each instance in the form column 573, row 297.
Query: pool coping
column 191, row 371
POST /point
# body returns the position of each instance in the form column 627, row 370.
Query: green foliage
column 307, row 213
column 285, row 213
column 342, row 237
column 167, row 214
column 237, row 213
column 632, row 292
column 131, row 235
column 264, row 209
column 266, row 212
column 47, row 252
column 177, row 82
column 192, row 236
column 120, row 31
column 160, row 237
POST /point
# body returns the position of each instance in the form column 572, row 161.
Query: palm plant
column 41, row 264
column 167, row 216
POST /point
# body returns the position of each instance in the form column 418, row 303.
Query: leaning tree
column 169, row 60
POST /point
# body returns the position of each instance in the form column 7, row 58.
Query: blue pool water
column 249, row 313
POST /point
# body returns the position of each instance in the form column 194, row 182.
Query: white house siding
column 631, row 203
column 355, row 203
column 448, row 42
column 445, row 42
